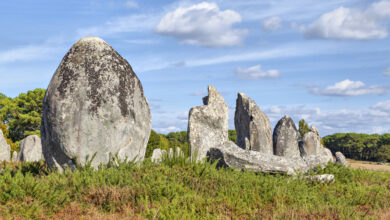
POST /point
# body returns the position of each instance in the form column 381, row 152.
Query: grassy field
column 357, row 164
column 178, row 189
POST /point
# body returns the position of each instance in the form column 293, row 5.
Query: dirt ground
column 368, row 165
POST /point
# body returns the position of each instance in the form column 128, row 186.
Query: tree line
column 21, row 116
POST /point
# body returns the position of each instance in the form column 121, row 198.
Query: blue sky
column 324, row 61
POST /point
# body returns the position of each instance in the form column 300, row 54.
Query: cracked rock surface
column 94, row 104
column 208, row 124
column 5, row 149
column 252, row 125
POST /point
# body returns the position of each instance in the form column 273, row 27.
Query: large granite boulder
column 94, row 104
column 208, row 124
column 312, row 150
column 30, row 149
column 285, row 138
column 230, row 155
column 252, row 126
column 340, row 159
column 5, row 149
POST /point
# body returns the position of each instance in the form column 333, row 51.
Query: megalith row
column 257, row 147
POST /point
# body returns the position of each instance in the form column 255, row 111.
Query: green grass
column 180, row 189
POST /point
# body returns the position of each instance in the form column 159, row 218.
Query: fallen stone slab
column 230, row 155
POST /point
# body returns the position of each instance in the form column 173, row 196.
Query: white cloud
column 131, row 4
column 350, row 88
column 350, row 23
column 255, row 72
column 382, row 106
column 272, row 23
column 198, row 93
column 28, row 53
column 126, row 24
column 203, row 24
column 386, row 72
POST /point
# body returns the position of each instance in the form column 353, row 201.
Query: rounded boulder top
column 94, row 104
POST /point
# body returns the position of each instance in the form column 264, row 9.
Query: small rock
column 30, row 149
column 340, row 159
column 285, row 138
column 208, row 124
column 15, row 156
column 324, row 178
column 252, row 125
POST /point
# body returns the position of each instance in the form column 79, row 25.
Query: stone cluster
column 257, row 148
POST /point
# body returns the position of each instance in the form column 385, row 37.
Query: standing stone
column 252, row 125
column 30, row 149
column 158, row 155
column 340, row 159
column 208, row 124
column 285, row 138
column 94, row 104
column 5, row 149
column 312, row 150
column 14, row 156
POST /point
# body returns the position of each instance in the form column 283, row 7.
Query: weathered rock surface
column 5, row 149
column 208, row 124
column 285, row 138
column 340, row 159
column 312, row 150
column 252, row 126
column 94, row 104
column 230, row 155
column 157, row 155
column 30, row 149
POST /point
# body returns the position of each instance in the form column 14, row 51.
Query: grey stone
column 285, row 138
column 5, row 149
column 340, row 159
column 208, row 124
column 312, row 150
column 324, row 178
column 158, row 155
column 252, row 125
column 15, row 156
column 230, row 155
column 30, row 149
column 94, row 104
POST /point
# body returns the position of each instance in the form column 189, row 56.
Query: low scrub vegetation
column 181, row 189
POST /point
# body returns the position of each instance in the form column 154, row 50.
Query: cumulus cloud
column 350, row 88
column 203, row 24
column 272, row 23
column 131, row 4
column 256, row 72
column 351, row 23
column 386, row 72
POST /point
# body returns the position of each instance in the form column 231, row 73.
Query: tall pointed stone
column 285, row 138
column 30, row 149
column 208, row 124
column 5, row 149
column 252, row 126
column 94, row 104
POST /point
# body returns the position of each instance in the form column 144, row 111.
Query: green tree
column 232, row 136
column 303, row 127
column 22, row 114
column 383, row 154
column 156, row 141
